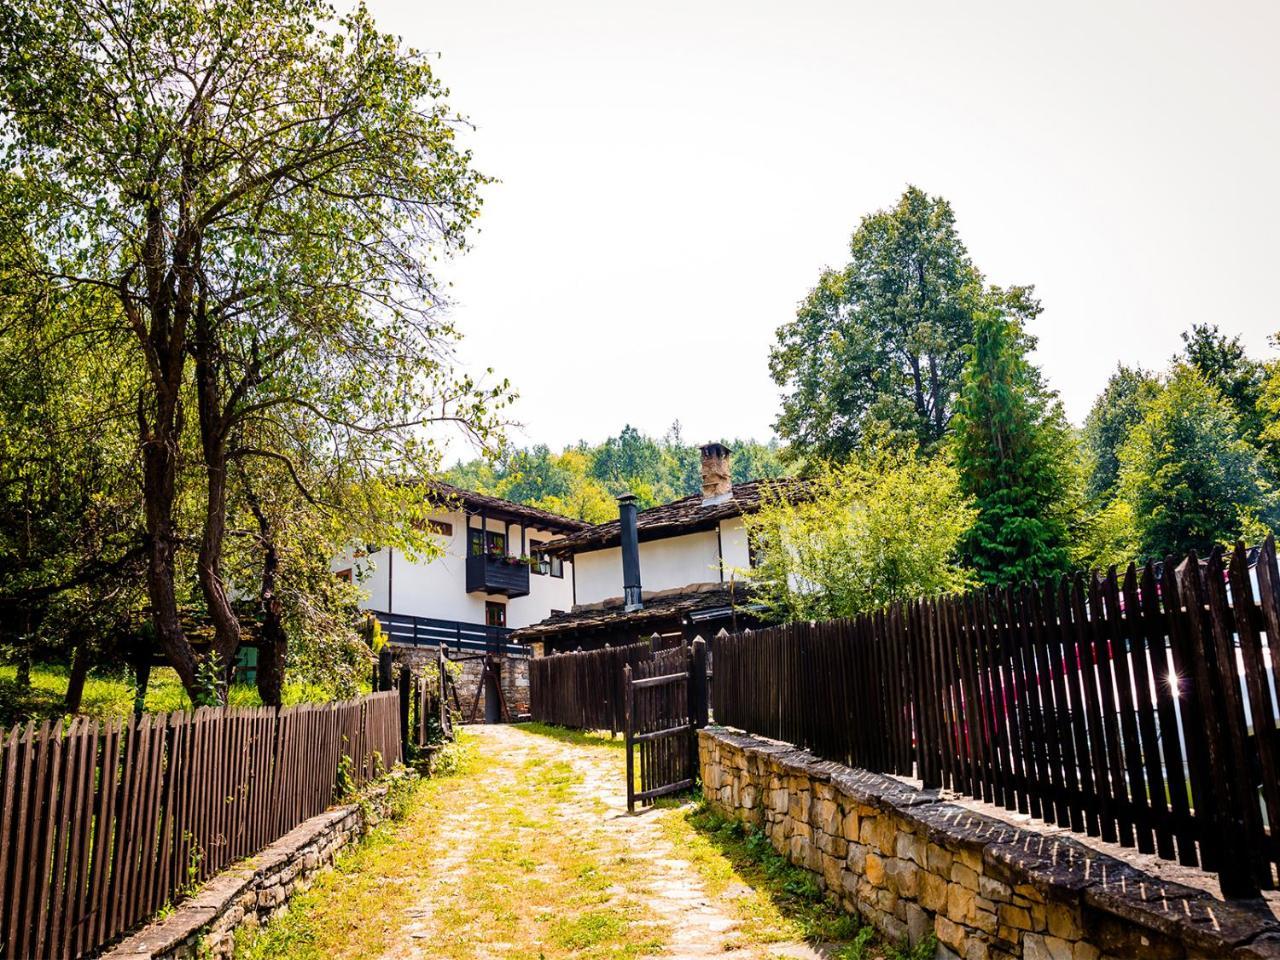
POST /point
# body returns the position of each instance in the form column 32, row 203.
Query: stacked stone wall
column 911, row 864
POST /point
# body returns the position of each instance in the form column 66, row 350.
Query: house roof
column 686, row 515
column 692, row 603
column 506, row 510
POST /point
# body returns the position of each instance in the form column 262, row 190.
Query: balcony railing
column 504, row 576
column 454, row 634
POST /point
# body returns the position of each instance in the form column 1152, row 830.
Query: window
column 343, row 574
column 442, row 527
column 482, row 542
column 541, row 562
column 557, row 567
column 495, row 614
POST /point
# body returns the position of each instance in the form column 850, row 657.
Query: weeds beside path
column 529, row 853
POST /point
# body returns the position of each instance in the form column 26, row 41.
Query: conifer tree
column 1013, row 450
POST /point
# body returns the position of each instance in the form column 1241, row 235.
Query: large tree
column 1015, row 455
column 1223, row 362
column 261, row 187
column 1188, row 475
column 1118, row 409
column 877, row 347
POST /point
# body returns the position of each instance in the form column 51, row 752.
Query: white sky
column 674, row 176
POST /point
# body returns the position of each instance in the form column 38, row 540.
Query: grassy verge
column 776, row 901
column 111, row 698
column 580, row 738
column 334, row 913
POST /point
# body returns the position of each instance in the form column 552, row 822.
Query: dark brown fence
column 585, row 690
column 101, row 824
column 1140, row 708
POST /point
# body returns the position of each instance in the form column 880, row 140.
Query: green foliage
column 1269, row 409
column 344, row 784
column 228, row 219
column 208, row 690
column 583, row 481
column 111, row 697
column 1015, row 454
column 1223, row 363
column 926, row 949
column 877, row 348
column 882, row 528
column 1118, row 409
column 1188, row 474
column 795, row 891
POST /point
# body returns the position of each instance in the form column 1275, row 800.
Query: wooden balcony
column 455, row 635
column 497, row 575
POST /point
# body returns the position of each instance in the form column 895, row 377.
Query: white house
column 671, row 569
column 494, row 574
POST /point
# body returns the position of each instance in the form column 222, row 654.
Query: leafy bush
column 881, row 529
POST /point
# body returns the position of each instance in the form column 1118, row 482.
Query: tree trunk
column 159, row 482
column 213, row 440
column 22, row 673
column 79, row 673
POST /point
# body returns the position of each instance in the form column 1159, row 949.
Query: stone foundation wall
column 254, row 890
column 911, row 863
column 513, row 675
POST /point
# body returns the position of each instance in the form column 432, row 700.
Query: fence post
column 629, row 724
column 384, row 669
column 697, row 685
column 406, row 687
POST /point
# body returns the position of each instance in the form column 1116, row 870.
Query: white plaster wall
column 733, row 547
column 438, row 587
column 664, row 565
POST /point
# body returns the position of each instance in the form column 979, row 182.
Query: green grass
column 111, row 698
column 581, row 738
column 783, row 902
column 515, row 887
column 332, row 917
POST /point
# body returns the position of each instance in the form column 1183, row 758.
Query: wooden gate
column 666, row 703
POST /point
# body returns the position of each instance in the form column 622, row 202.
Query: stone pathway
column 660, row 893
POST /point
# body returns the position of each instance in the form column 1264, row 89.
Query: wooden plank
column 665, row 790
column 1268, row 611
column 8, row 825
column 1262, row 742
column 629, row 712
column 658, row 681
column 1190, row 711
column 1120, row 655
column 1144, row 672
column 1243, row 816
column 68, row 794
column 49, row 751
column 78, row 880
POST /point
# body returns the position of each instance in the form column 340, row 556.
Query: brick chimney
column 717, row 484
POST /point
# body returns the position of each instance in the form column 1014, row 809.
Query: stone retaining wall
column 254, row 890
column 911, row 863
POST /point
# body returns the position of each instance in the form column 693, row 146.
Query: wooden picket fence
column 1140, row 708
column 102, row 824
column 585, row 690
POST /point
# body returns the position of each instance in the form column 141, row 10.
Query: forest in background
column 584, row 480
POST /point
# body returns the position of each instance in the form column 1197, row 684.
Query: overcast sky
column 674, row 175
